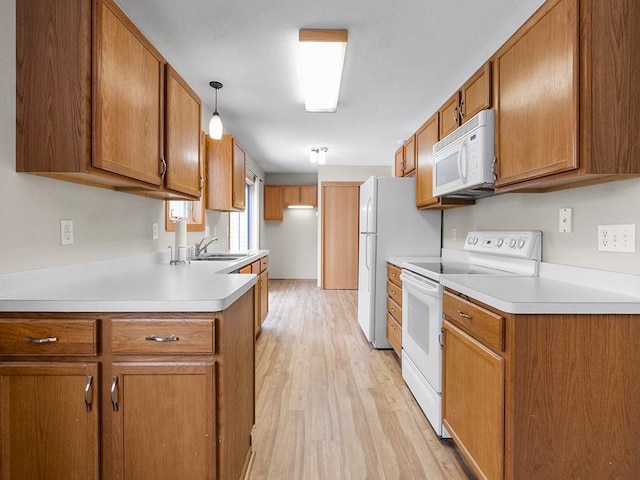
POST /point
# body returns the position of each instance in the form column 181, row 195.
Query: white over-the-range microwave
column 463, row 160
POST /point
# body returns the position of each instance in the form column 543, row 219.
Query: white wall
column 107, row 224
column 604, row 204
column 292, row 243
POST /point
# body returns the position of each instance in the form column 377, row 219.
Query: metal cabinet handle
column 114, row 400
column 153, row 338
column 88, row 393
column 41, row 340
column 163, row 172
column 392, row 310
column 461, row 110
column 464, row 315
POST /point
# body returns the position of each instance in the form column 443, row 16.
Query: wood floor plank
column 329, row 406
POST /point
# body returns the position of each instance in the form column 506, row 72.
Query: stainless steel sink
column 220, row 257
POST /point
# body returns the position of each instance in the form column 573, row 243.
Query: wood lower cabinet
column 566, row 97
column 50, row 419
column 156, row 395
column 261, row 299
column 97, row 115
column 163, row 418
column 541, row 395
column 394, row 308
column 225, row 175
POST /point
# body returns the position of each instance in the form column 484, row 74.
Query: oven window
column 418, row 326
column 447, row 170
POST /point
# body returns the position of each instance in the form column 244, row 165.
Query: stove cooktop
column 435, row 269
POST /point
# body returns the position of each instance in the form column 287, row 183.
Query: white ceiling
column 404, row 59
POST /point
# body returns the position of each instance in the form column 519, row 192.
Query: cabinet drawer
column 395, row 292
column 394, row 334
column 480, row 323
column 394, row 310
column 245, row 269
column 48, row 337
column 255, row 267
column 154, row 336
column 264, row 263
column 393, row 274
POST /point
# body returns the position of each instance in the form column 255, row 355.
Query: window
column 243, row 226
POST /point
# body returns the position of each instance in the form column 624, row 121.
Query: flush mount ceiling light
column 215, row 124
column 318, row 155
column 322, row 53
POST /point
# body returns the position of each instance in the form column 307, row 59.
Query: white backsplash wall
column 106, row 224
column 605, row 204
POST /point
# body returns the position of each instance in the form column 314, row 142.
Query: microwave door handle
column 462, row 162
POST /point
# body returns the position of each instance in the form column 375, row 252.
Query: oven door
column 421, row 326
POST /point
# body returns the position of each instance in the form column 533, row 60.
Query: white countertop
column 138, row 284
column 558, row 289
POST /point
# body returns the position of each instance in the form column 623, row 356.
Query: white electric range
column 491, row 253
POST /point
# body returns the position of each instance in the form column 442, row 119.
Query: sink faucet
column 203, row 249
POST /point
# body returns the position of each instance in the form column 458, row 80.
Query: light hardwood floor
column 329, row 406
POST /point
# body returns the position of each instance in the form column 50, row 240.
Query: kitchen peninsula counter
column 146, row 283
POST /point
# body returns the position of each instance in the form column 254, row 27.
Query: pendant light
column 215, row 124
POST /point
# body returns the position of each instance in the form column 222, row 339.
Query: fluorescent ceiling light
column 322, row 53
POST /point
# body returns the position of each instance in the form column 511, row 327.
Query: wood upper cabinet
column 273, row 202
column 277, row 197
column 567, row 98
column 300, row 195
column 405, row 159
column 182, row 139
column 473, row 96
column 97, row 116
column 398, row 164
column 49, row 420
column 226, row 174
column 426, row 137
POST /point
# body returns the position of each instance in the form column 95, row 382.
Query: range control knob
column 520, row 243
column 499, row 242
column 470, row 240
column 512, row 243
column 475, row 240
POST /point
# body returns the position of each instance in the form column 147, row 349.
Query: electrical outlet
column 566, row 220
column 617, row 238
column 206, row 231
column 154, row 228
column 66, row 232
column 454, row 233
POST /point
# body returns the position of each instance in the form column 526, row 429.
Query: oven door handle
column 421, row 284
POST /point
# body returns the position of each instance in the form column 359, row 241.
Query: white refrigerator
column 390, row 226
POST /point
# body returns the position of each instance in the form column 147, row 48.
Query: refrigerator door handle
column 368, row 215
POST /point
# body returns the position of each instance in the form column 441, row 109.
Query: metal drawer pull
column 464, row 315
column 114, row 401
column 41, row 340
column 88, row 393
column 153, row 338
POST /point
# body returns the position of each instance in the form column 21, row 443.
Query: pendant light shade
column 215, row 124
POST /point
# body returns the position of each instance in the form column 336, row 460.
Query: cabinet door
column 426, row 138
column 49, row 426
column 476, row 93
column 473, row 401
column 264, row 295
column 449, row 115
column 309, row 195
column 410, row 156
column 537, row 98
column 399, row 163
column 239, row 174
column 291, row 195
column 273, row 204
column 182, row 139
column 163, row 418
column 128, row 99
